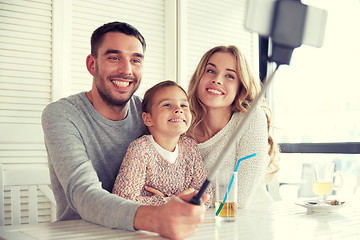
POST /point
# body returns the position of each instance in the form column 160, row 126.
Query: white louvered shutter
column 25, row 78
column 208, row 23
column 25, row 85
column 147, row 16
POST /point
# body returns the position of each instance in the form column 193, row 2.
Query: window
column 315, row 100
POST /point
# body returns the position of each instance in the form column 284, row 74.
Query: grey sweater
column 85, row 151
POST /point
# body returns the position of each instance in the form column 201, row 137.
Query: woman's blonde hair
column 249, row 88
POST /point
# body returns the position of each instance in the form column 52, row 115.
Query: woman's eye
column 184, row 106
column 210, row 71
column 230, row 76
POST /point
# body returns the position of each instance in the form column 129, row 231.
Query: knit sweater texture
column 251, row 172
column 144, row 166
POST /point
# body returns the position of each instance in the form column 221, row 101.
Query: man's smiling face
column 118, row 68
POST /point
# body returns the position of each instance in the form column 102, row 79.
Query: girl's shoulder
column 188, row 144
column 142, row 142
column 185, row 139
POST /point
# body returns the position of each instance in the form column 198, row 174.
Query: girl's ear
column 147, row 119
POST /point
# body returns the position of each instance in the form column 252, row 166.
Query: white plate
column 313, row 206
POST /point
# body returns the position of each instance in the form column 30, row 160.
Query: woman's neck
column 214, row 121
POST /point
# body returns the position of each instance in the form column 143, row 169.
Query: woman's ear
column 90, row 64
column 147, row 119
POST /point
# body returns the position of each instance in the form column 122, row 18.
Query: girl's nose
column 178, row 110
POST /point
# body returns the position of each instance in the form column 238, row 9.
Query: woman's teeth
column 215, row 91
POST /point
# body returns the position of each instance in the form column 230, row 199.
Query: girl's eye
column 184, row 106
column 210, row 71
column 167, row 105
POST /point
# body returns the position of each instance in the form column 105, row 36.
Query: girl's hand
column 186, row 192
column 154, row 191
column 157, row 192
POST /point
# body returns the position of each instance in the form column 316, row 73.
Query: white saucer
column 314, row 206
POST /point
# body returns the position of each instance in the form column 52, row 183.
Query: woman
column 221, row 91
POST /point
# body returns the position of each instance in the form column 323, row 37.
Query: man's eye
column 114, row 58
column 136, row 61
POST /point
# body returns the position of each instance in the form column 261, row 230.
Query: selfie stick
column 237, row 133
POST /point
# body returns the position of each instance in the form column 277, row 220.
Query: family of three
column 127, row 163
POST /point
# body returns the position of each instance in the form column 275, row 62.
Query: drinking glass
column 324, row 176
column 225, row 196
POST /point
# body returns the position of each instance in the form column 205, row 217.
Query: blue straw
column 231, row 181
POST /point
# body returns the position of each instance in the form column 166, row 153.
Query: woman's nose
column 217, row 80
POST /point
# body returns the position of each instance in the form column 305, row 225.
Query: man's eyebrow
column 228, row 69
column 114, row 51
column 110, row 51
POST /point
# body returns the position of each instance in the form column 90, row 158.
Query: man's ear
column 90, row 64
column 147, row 119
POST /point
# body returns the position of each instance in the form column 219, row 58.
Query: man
column 87, row 134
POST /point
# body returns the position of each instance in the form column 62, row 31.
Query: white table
column 278, row 220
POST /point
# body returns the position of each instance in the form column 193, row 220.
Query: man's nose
column 124, row 67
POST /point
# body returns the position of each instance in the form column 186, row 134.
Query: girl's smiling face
column 170, row 114
column 220, row 83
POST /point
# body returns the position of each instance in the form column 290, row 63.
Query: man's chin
column 116, row 102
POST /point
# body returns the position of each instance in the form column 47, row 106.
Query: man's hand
column 177, row 219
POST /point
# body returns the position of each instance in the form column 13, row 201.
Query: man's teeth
column 121, row 83
column 215, row 91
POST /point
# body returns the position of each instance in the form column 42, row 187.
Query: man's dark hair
column 120, row 27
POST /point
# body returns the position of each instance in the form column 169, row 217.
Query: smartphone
column 260, row 15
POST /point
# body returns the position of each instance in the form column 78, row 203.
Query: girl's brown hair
column 150, row 93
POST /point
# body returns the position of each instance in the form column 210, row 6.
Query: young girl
column 166, row 160
column 221, row 91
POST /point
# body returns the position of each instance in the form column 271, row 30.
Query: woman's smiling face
column 220, row 83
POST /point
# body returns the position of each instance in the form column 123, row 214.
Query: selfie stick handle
column 237, row 133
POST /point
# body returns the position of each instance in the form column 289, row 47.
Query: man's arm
column 74, row 178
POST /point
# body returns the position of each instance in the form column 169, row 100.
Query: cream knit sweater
column 251, row 172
